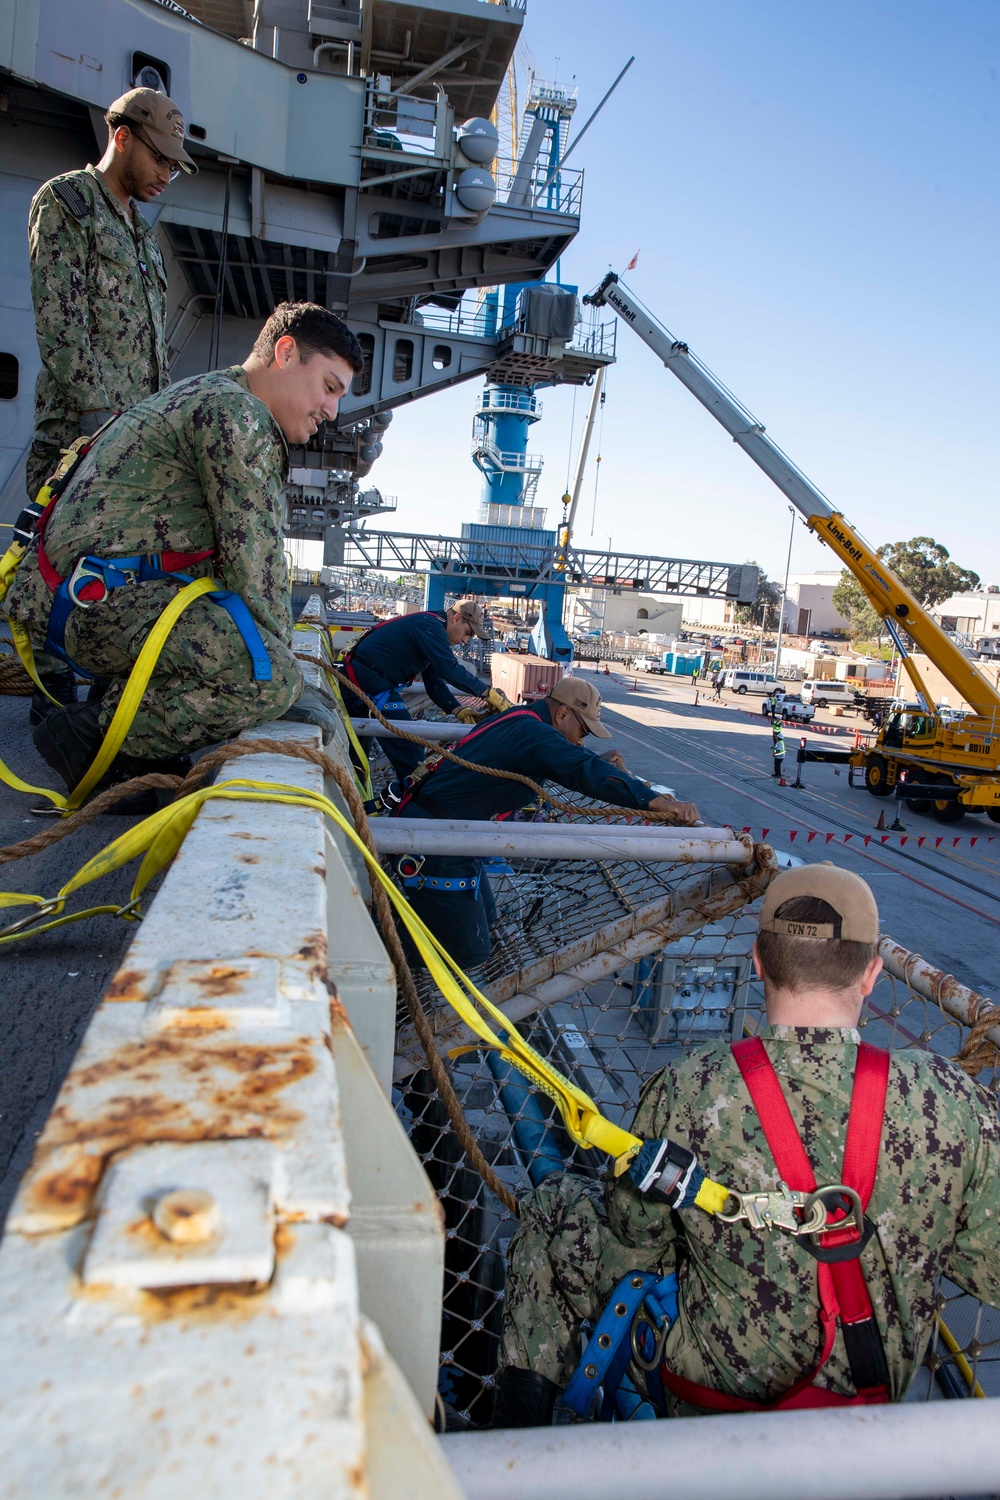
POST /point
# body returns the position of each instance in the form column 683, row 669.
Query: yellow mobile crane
column 948, row 768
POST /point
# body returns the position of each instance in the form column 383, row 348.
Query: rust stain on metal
column 284, row 1240
column 128, row 984
column 165, row 1089
column 199, row 1018
column 314, row 951
column 248, row 859
column 222, row 979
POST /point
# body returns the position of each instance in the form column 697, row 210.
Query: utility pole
column 784, row 595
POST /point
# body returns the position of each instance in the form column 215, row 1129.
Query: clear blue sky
column 812, row 187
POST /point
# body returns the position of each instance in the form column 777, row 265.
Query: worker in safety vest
column 777, row 748
column 392, row 654
column 99, row 292
column 187, row 484
column 541, row 740
column 738, row 1318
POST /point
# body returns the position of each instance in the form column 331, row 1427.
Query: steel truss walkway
column 520, row 561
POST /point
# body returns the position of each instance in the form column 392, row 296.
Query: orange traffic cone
column 881, row 821
column 782, row 781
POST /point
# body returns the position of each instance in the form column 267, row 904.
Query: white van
column 827, row 694
column 746, row 680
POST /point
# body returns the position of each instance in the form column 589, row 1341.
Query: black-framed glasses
column 580, row 720
column 158, row 156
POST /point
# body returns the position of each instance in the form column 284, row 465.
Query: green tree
column 764, row 610
column 926, row 568
column 922, row 565
column 852, row 602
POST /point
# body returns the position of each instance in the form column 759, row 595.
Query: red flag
column 868, row 839
column 810, row 838
column 938, row 842
column 920, row 841
column 746, row 830
column 764, row 832
column 792, row 834
column 972, row 841
column 955, row 843
column 903, row 839
column 848, row 837
column 884, row 839
column 632, row 263
column 830, row 836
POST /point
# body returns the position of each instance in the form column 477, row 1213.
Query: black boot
column 69, row 739
column 524, row 1399
column 61, row 686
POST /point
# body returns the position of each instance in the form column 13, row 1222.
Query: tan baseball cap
column 471, row 611
column 584, row 698
column 161, row 121
column 846, row 894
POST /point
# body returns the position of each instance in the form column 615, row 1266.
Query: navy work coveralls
column 523, row 740
column 390, row 655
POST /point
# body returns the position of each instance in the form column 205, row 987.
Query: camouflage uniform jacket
column 748, row 1319
column 100, row 296
column 199, row 465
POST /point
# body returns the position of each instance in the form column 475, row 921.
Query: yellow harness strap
column 127, row 706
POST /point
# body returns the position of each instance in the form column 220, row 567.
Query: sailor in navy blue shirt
column 391, row 654
column 541, row 740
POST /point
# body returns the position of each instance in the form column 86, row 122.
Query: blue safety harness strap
column 120, row 571
column 610, row 1347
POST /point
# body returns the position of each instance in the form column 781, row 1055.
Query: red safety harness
column 520, row 713
column 843, row 1293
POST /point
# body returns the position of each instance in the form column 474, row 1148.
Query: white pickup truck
column 788, row 706
column 649, row 664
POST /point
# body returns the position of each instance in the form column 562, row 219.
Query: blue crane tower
column 507, row 409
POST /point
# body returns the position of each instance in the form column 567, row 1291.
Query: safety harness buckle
column 409, row 865
column 83, row 574
column 838, row 1198
column 798, row 1213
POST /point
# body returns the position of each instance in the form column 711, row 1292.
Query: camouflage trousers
column 202, row 690
column 563, row 1265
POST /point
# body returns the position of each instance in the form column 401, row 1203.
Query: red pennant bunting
column 955, row 843
column 884, row 839
column 868, row 839
column 920, row 841
column 810, row 838
column 938, row 842
column 792, row 834
column 764, row 832
column 848, row 837
column 746, row 830
column 830, row 836
column 972, row 841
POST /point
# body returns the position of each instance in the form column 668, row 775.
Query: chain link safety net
column 609, row 1035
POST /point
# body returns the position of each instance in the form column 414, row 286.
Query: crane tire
column 877, row 776
column 947, row 812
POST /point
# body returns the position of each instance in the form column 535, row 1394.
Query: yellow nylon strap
column 711, row 1196
column 364, row 780
column 138, row 680
column 159, row 837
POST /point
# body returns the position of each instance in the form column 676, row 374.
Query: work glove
column 498, row 701
column 92, row 421
column 311, row 708
column 467, row 716
column 667, row 1173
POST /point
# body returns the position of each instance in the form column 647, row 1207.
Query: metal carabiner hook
column 641, row 1320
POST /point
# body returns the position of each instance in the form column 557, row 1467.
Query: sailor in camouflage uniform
column 98, row 284
column 99, row 291
column 748, row 1310
column 191, row 480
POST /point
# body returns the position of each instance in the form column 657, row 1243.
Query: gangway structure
column 946, row 766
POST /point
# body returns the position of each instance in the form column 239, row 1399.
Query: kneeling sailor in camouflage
column 187, row 484
column 748, row 1317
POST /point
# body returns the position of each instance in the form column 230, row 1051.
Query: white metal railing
column 224, row 1060
column 507, row 463
column 524, row 517
column 522, row 402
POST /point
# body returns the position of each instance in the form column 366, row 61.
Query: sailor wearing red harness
column 764, row 1319
column 186, row 484
column 543, row 741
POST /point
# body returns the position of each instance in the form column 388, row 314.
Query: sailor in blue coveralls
column 391, row 654
column 541, row 740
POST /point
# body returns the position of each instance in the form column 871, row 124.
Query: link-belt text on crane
column 623, row 307
column 845, row 541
